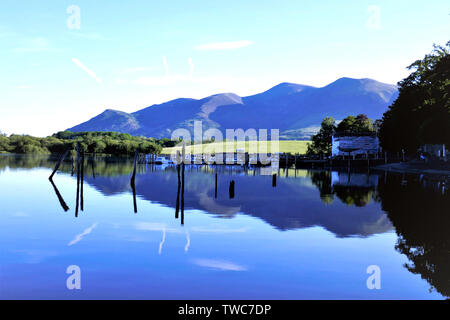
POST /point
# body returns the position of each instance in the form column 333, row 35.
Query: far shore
column 416, row 167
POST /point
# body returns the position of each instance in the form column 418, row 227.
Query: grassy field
column 288, row 146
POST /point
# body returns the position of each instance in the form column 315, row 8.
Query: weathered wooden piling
column 82, row 183
column 215, row 188
column 133, row 176
column 78, row 181
column 133, row 181
column 177, row 208
column 182, row 187
column 231, row 189
column 58, row 164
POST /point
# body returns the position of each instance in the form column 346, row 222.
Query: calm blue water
column 310, row 237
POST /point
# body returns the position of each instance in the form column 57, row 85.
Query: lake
column 310, row 234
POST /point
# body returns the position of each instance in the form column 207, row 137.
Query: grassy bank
column 288, row 146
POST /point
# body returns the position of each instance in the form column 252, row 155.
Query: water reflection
column 351, row 188
column 419, row 212
column 351, row 204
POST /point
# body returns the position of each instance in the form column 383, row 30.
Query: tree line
column 421, row 113
column 113, row 143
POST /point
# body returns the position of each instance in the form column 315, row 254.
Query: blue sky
column 129, row 55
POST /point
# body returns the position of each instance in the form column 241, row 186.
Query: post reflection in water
column 60, row 198
column 346, row 204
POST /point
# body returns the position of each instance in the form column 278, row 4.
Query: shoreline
column 417, row 168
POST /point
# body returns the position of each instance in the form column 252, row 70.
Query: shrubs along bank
column 113, row 143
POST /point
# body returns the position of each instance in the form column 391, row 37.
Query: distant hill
column 297, row 110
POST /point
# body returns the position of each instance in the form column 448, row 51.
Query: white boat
column 161, row 160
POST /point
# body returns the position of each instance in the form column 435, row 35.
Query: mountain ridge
column 295, row 109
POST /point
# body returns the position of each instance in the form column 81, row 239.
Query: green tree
column 421, row 113
column 354, row 125
column 321, row 142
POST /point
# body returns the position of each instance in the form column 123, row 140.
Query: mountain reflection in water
column 351, row 204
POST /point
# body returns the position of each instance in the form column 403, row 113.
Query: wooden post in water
column 59, row 163
column 82, row 182
column 215, row 188
column 78, row 181
column 133, row 176
column 133, row 181
column 182, row 186
column 231, row 189
column 274, row 180
column 177, row 208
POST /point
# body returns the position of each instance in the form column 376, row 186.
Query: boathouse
column 352, row 144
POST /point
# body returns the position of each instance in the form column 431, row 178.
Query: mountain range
column 296, row 110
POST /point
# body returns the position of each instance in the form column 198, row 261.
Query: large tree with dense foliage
column 355, row 125
column 421, row 113
column 321, row 142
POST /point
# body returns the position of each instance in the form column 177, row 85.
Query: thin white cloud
column 90, row 36
column 38, row 44
column 221, row 265
column 228, row 45
column 80, row 236
column 84, row 68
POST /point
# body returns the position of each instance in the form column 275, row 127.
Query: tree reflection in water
column 418, row 208
column 353, row 189
column 422, row 221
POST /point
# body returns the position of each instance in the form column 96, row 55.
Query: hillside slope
column 296, row 110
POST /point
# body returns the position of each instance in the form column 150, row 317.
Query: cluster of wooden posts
column 78, row 167
column 284, row 161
